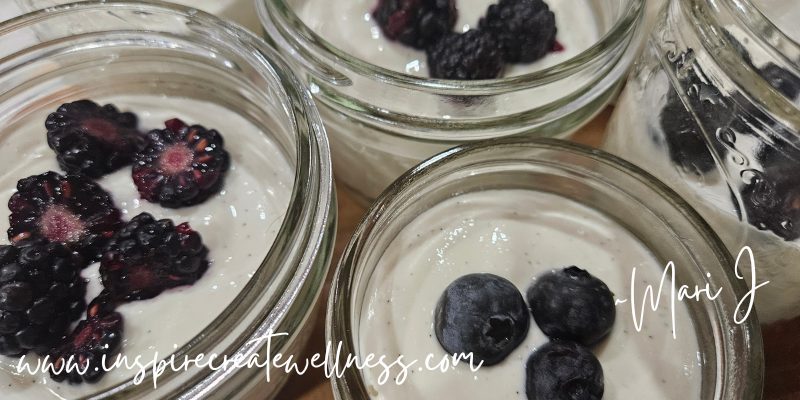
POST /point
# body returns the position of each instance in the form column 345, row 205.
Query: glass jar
column 381, row 123
column 169, row 54
column 730, row 355
column 240, row 11
column 712, row 109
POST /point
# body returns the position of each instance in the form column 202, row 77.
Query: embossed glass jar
column 713, row 109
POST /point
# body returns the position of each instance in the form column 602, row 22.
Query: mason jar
column 158, row 59
column 242, row 12
column 382, row 122
column 713, row 109
column 728, row 363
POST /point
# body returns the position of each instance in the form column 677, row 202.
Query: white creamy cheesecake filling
column 349, row 26
column 519, row 235
column 238, row 225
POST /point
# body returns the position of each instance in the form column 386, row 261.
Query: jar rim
column 622, row 29
column 751, row 16
column 303, row 246
column 746, row 14
column 339, row 326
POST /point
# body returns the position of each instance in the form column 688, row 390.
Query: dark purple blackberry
column 147, row 257
column 80, row 357
column 782, row 80
column 91, row 139
column 525, row 28
column 684, row 138
column 416, row 23
column 471, row 55
column 181, row 165
column 41, row 294
column 72, row 210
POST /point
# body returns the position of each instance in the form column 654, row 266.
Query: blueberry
column 563, row 370
column 482, row 314
column 571, row 304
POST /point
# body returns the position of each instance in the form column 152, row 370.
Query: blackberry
column 80, row 357
column 471, row 55
column 181, row 165
column 147, row 257
column 72, row 210
column 91, row 139
column 525, row 28
column 684, row 138
column 416, row 23
column 782, row 80
column 41, row 294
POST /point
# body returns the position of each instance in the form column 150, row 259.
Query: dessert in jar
column 712, row 109
column 168, row 195
column 400, row 81
column 520, row 235
column 481, row 250
column 240, row 11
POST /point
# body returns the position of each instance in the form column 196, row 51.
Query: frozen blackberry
column 80, row 358
column 41, row 294
column 683, row 129
column 91, row 139
column 416, row 23
column 525, row 28
column 782, row 80
column 471, row 55
column 72, row 210
column 181, row 165
column 684, row 138
column 147, row 257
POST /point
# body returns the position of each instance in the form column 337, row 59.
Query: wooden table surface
column 314, row 386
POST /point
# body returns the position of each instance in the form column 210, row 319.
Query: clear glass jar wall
column 381, row 122
column 730, row 354
column 170, row 56
column 239, row 11
column 713, row 109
